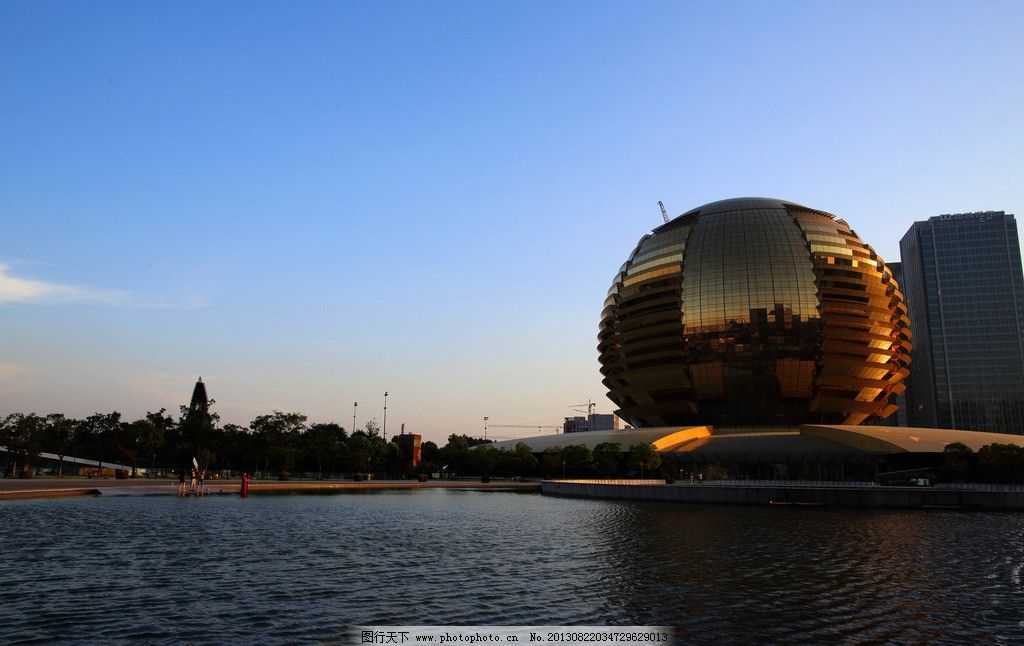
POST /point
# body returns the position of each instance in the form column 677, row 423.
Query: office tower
column 965, row 295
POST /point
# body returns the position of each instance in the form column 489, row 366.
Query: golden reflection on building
column 753, row 312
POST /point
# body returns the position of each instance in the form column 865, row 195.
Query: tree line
column 605, row 460
column 993, row 463
column 278, row 443
column 282, row 444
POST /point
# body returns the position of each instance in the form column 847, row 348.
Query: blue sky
column 311, row 203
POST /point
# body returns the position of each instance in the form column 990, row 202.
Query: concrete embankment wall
column 992, row 498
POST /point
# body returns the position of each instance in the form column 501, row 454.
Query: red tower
column 409, row 450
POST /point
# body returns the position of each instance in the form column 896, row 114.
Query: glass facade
column 751, row 312
column 966, row 298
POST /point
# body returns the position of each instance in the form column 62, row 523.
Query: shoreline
column 78, row 487
column 809, row 494
column 733, row 493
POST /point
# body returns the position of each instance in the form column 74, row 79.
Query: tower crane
column 589, row 406
column 537, row 426
column 540, row 427
column 590, row 412
column 664, row 213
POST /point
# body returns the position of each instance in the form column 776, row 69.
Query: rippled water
column 299, row 568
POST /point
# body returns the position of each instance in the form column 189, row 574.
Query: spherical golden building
column 754, row 312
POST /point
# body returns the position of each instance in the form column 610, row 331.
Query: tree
column 607, row 456
column 958, row 462
column 643, row 458
column 343, row 456
column 142, row 435
column 1003, row 463
column 58, row 436
column 577, row 459
column 360, row 451
column 524, row 461
column 551, row 461
column 96, row 435
column 279, row 436
column 22, row 435
column 386, row 456
column 234, row 447
column 483, row 459
column 429, row 453
column 166, row 431
column 322, row 441
column 455, row 454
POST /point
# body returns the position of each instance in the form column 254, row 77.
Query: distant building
column 577, row 424
column 600, row 422
column 965, row 293
column 409, row 446
column 596, row 422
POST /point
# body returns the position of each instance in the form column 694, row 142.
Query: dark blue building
column 965, row 294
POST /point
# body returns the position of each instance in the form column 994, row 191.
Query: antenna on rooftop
column 664, row 213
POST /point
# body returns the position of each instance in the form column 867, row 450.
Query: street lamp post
column 385, row 428
column 354, row 407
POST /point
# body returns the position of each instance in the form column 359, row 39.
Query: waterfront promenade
column 11, row 489
column 734, row 492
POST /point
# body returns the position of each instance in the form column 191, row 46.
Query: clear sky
column 309, row 203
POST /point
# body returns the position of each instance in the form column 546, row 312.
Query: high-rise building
column 965, row 295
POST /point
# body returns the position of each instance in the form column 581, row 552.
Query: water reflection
column 288, row 568
column 804, row 574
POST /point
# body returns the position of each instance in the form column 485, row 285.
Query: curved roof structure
column 737, row 203
column 808, row 440
column 660, row 437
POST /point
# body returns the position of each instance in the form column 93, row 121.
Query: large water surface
column 300, row 567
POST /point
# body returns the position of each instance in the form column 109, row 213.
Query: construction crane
column 664, row 213
column 589, row 406
column 590, row 412
column 540, row 427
